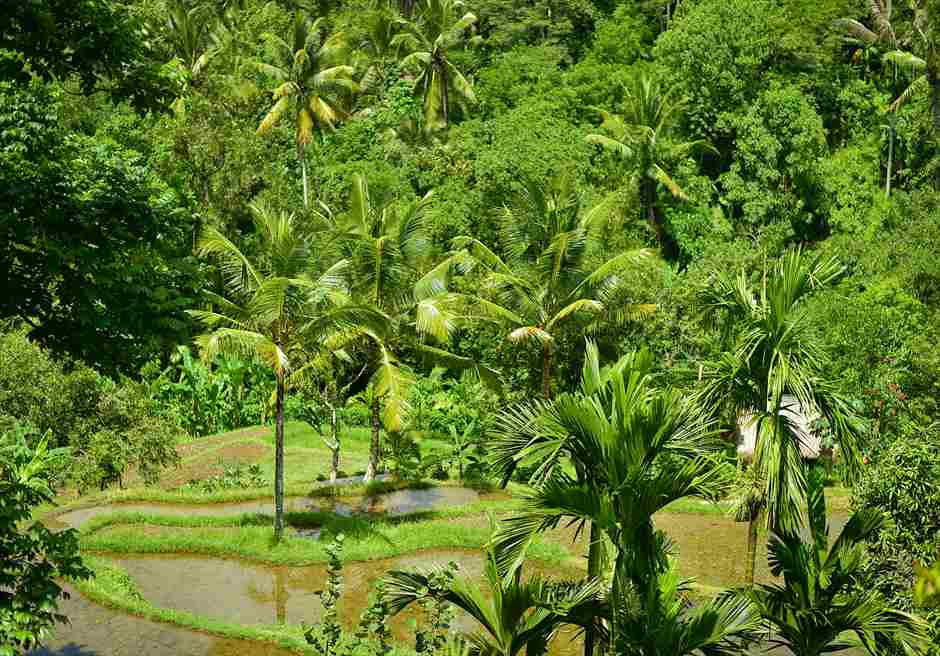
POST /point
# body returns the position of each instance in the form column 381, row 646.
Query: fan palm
column 772, row 352
column 640, row 449
column 556, row 271
column 390, row 261
column 821, row 600
column 312, row 81
column 438, row 28
column 277, row 308
column 642, row 136
column 514, row 615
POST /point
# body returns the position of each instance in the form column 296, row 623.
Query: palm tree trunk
column 933, row 77
column 279, row 461
column 666, row 242
column 303, row 169
column 594, row 571
column 547, row 371
column 334, row 435
column 375, row 448
column 445, row 97
column 891, row 132
column 750, row 558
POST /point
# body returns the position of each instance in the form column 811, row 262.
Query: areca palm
column 771, row 353
column 278, row 308
column 636, row 449
column 439, row 27
column 312, row 81
column 514, row 615
column 556, row 271
column 642, row 136
column 821, row 600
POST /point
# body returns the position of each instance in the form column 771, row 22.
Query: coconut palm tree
column 637, row 449
column 556, row 272
column 885, row 37
column 772, row 352
column 438, row 28
column 923, row 54
column 278, row 308
column 642, row 136
column 313, row 83
column 392, row 271
column 821, row 599
column 189, row 28
column 515, row 615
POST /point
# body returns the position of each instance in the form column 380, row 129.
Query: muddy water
column 393, row 503
column 98, row 631
column 247, row 593
column 711, row 548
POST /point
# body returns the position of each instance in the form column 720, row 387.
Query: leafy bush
column 32, row 558
column 110, row 426
column 130, row 432
column 51, row 396
column 903, row 480
column 229, row 394
column 232, row 477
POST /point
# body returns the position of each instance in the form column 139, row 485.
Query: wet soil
column 98, row 631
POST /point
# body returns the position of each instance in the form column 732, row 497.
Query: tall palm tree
column 312, row 82
column 884, row 36
column 514, row 615
column 515, row 442
column 278, row 308
column 772, row 352
column 822, row 598
column 189, row 27
column 438, row 28
column 645, row 448
column 392, row 271
column 556, row 272
column 642, row 136
column 923, row 54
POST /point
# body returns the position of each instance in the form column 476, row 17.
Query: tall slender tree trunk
column 892, row 128
column 892, row 135
column 303, row 169
column 666, row 243
column 375, row 448
column 547, row 371
column 594, row 571
column 750, row 557
column 933, row 77
column 279, row 461
column 334, row 435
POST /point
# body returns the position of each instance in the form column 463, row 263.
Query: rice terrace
column 470, row 327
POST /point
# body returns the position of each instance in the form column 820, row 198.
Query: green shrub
column 903, row 480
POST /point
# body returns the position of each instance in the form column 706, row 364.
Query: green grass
column 250, row 536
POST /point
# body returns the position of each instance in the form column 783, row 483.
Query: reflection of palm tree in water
column 280, row 595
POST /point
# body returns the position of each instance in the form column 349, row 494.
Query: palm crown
column 311, row 79
column 555, row 270
column 773, row 352
column 821, row 599
column 439, row 27
column 642, row 136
